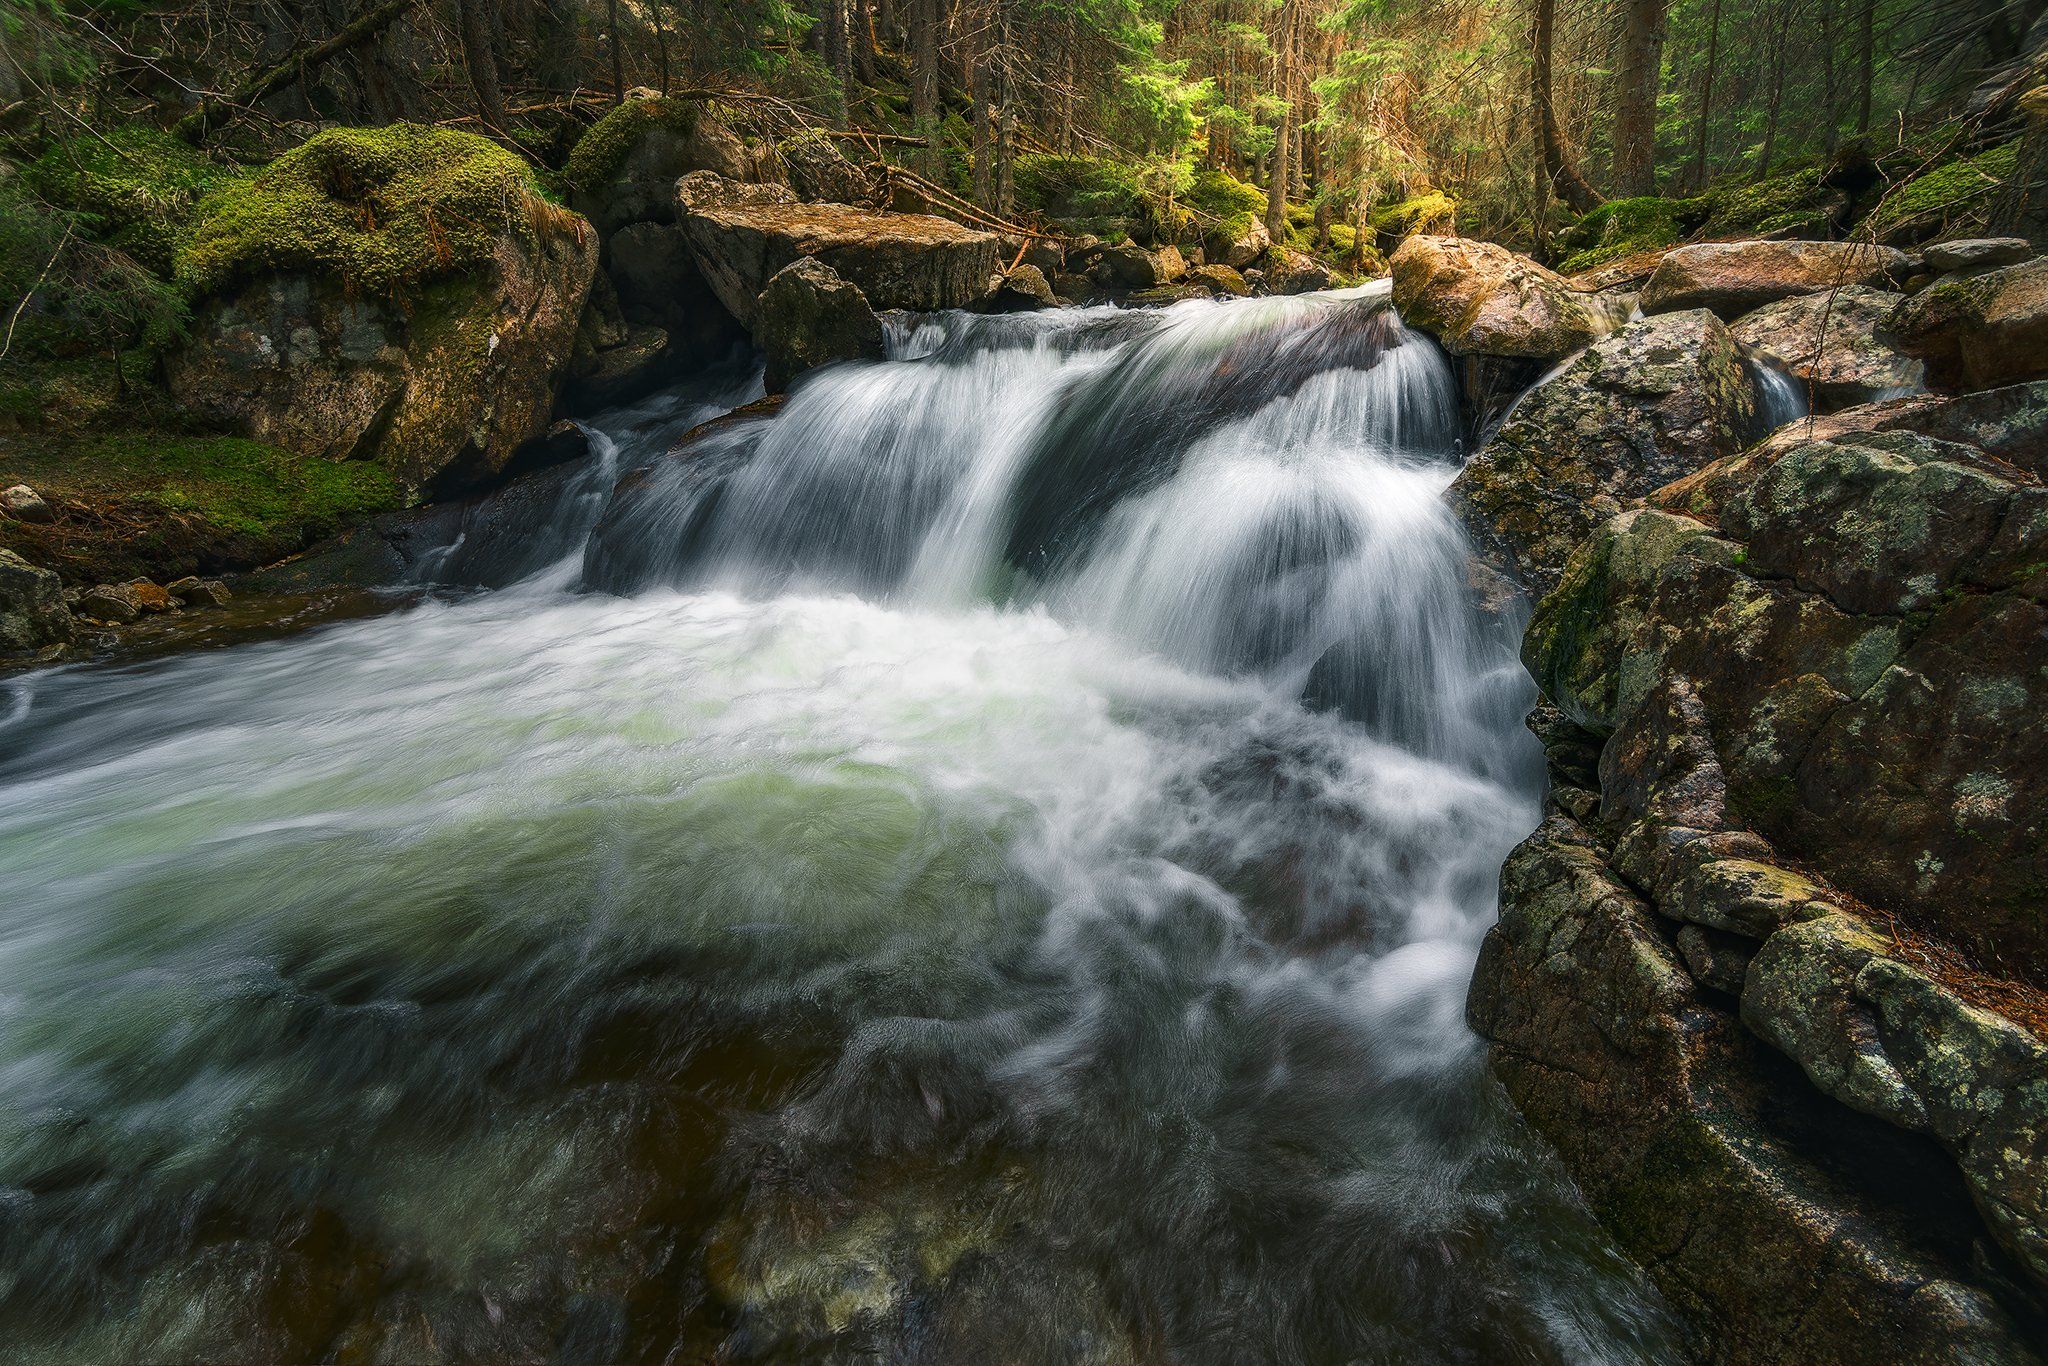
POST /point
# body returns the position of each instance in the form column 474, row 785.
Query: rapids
column 982, row 865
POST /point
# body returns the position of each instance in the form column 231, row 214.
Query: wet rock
column 1757, row 1204
column 1650, row 403
column 1481, row 299
column 1829, row 343
column 1295, row 272
column 742, row 235
column 1977, row 331
column 1734, row 278
column 1977, row 253
column 1073, row 289
column 125, row 602
column 24, row 504
column 33, row 614
column 1024, row 287
column 1219, row 280
column 808, row 316
column 194, row 591
column 1130, row 267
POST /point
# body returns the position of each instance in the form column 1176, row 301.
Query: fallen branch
column 953, row 202
column 197, row 124
column 48, row 266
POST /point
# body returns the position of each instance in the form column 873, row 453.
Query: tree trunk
column 980, row 93
column 618, row 58
column 480, row 59
column 1866, row 61
column 836, row 46
column 1763, row 155
column 1707, row 73
column 1572, row 187
column 1276, row 180
column 864, row 41
column 924, row 79
column 1635, row 112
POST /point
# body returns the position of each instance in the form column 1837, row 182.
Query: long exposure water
column 981, row 865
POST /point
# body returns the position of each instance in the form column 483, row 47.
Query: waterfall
column 982, row 862
column 1780, row 398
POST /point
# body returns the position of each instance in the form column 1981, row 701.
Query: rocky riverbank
column 1770, row 974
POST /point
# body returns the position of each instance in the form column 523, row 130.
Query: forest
column 1576, row 131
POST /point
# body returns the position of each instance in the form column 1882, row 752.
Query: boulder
column 1129, row 266
column 1733, row 278
column 1295, row 272
column 24, row 504
column 32, row 611
column 1023, row 288
column 1976, row 253
column 741, row 238
column 1481, row 299
column 1979, row 331
column 1241, row 250
column 1219, row 280
column 808, row 316
column 1829, row 343
column 1638, row 409
column 401, row 294
column 651, row 270
column 124, row 602
column 614, row 360
column 624, row 169
column 194, row 591
column 1073, row 289
column 819, row 171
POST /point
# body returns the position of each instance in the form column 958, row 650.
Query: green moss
column 240, row 486
column 1232, row 205
column 135, row 188
column 1432, row 211
column 1620, row 227
column 385, row 209
column 1343, row 237
column 599, row 152
column 1949, row 191
column 1794, row 201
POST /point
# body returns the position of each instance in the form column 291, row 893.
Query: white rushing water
column 981, row 865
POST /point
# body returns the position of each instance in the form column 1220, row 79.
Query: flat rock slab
column 898, row 260
column 1734, row 278
column 1977, row 253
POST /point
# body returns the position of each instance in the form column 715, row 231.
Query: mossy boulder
column 404, row 295
column 1480, row 299
column 1431, row 212
column 624, row 169
column 1979, row 331
column 1954, row 194
column 1618, row 228
column 1638, row 409
column 136, row 188
column 1799, row 203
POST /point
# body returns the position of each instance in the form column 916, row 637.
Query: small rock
column 25, row 504
column 1295, row 272
column 1074, row 289
column 1219, row 280
column 1978, row 253
column 1023, row 289
column 108, row 602
column 1480, row 299
column 32, row 614
column 197, row 592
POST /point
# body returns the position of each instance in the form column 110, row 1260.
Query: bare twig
column 48, row 266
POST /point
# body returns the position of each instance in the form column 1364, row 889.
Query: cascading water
column 899, row 907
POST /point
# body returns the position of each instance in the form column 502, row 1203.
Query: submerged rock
column 1652, row 402
column 32, row 611
column 1734, row 278
column 1976, row 331
column 1481, row 299
column 1829, row 343
column 808, row 316
column 742, row 235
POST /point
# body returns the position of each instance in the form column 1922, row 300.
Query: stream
column 981, row 865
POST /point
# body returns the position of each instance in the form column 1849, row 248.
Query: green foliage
column 1948, row 192
column 240, row 486
column 133, row 189
column 1093, row 195
column 385, row 209
column 1618, row 228
column 598, row 153
column 68, row 294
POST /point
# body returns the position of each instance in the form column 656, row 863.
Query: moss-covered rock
column 403, row 295
column 1953, row 194
column 137, row 188
column 807, row 316
column 1981, row 330
column 32, row 612
column 624, row 169
column 1432, row 212
column 378, row 210
column 1639, row 408
column 1795, row 203
column 1618, row 228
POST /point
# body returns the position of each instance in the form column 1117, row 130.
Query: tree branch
column 214, row 111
